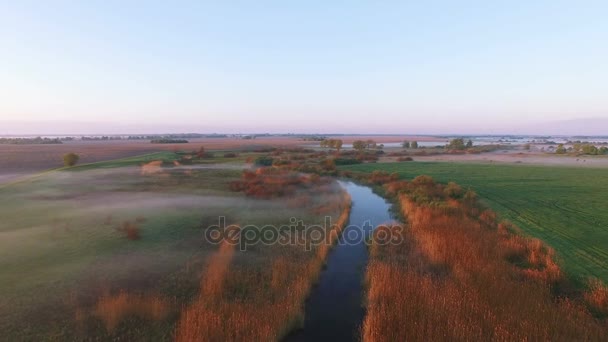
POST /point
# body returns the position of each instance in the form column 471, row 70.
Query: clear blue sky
column 306, row 66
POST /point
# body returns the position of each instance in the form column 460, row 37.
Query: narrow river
column 334, row 309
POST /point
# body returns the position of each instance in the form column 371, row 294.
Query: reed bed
column 462, row 275
column 261, row 299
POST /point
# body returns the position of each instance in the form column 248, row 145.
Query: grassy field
column 564, row 206
column 70, row 272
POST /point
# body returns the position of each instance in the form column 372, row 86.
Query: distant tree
column 332, row 143
column 414, row 144
column 169, row 141
column 70, row 159
column 201, row 152
column 469, row 143
column 603, row 150
column 560, row 149
column 337, row 144
column 371, row 144
column 406, row 144
column 527, row 147
column 359, row 145
column 456, row 144
column 589, row 149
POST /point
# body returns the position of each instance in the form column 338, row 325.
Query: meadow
column 564, row 206
column 115, row 250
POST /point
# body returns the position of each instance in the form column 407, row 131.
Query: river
column 334, row 310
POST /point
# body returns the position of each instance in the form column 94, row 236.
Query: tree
column 332, row 143
column 527, row 147
column 359, row 145
column 201, row 152
column 589, row 149
column 70, row 159
column 560, row 149
column 414, row 144
column 456, row 144
column 603, row 150
column 406, row 144
column 469, row 143
column 338, row 145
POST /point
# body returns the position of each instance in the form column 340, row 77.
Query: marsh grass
column 462, row 275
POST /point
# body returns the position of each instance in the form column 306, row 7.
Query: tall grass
column 113, row 309
column 259, row 301
column 460, row 275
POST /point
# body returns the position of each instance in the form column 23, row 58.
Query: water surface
column 334, row 309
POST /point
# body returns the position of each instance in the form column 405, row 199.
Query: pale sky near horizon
column 308, row 66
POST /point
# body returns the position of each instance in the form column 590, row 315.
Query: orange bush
column 597, row 297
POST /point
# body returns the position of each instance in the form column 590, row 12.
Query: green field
column 567, row 207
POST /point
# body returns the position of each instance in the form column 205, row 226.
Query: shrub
column 264, row 161
column 597, row 297
column 404, row 159
column 346, row 161
column 130, row 230
column 453, row 190
column 70, row 159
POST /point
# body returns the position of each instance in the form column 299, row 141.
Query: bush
column 453, row 190
column 405, row 159
column 70, row 159
column 264, row 161
column 130, row 229
column 346, row 161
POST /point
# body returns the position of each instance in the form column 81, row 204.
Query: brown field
column 462, row 275
column 23, row 160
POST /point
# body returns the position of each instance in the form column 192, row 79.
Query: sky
column 301, row 66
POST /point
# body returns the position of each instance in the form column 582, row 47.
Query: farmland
column 563, row 206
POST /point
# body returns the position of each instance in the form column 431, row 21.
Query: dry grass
column 597, row 297
column 254, row 302
column 462, row 276
column 130, row 230
column 113, row 309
